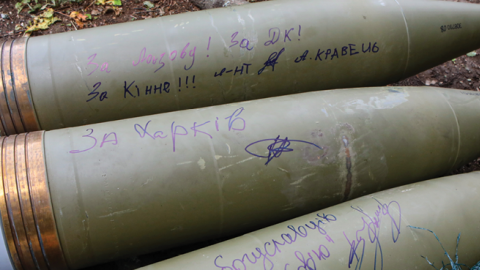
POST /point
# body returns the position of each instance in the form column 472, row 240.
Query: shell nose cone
column 439, row 30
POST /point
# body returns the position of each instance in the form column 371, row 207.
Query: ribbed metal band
column 5, row 115
column 27, row 214
column 6, row 262
column 17, row 113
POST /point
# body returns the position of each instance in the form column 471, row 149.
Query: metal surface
column 7, row 124
column 371, row 232
column 5, row 257
column 21, row 86
column 5, row 216
column 150, row 183
column 7, row 115
column 26, row 204
column 3, row 101
column 9, row 87
column 233, row 54
column 41, row 203
column 27, row 217
column 13, row 204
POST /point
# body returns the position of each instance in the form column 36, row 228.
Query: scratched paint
column 348, row 164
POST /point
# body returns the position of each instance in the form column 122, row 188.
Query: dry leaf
column 79, row 18
column 43, row 21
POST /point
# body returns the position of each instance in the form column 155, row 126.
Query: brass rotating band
column 7, row 120
column 25, row 206
column 17, row 112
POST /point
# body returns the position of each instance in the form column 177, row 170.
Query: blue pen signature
column 277, row 148
column 371, row 225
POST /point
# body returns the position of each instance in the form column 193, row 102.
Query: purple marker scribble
column 142, row 131
column 174, row 133
column 275, row 36
column 235, row 123
column 322, row 253
column 287, row 33
column 141, row 58
column 162, row 64
column 191, row 54
column 105, row 137
column 271, row 249
column 277, row 147
column 153, row 60
column 244, row 44
column 170, row 55
column 235, row 117
column 91, row 58
column 233, row 41
column 371, row 228
column 195, row 129
column 87, row 136
column 103, row 68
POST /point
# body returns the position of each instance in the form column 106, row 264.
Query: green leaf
column 35, row 8
column 19, row 7
column 472, row 54
column 48, row 13
column 89, row 16
column 148, row 4
column 43, row 21
column 114, row 2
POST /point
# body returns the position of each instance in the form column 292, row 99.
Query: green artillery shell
column 373, row 232
column 226, row 55
column 150, row 183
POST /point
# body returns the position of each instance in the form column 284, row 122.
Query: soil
column 460, row 73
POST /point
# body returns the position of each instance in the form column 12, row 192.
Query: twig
column 62, row 14
column 91, row 4
column 73, row 23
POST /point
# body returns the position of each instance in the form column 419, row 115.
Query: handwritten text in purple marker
column 275, row 34
column 244, row 44
column 158, row 60
column 271, row 249
column 371, row 231
column 176, row 131
column 107, row 138
column 103, row 67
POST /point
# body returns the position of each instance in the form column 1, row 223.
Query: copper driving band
column 17, row 113
column 25, row 206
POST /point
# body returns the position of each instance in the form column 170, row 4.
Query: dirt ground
column 460, row 73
